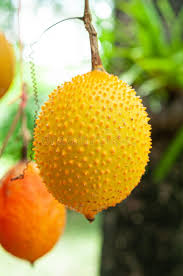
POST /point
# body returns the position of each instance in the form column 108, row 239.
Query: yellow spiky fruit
column 92, row 142
column 7, row 64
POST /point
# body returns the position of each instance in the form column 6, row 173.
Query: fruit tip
column 90, row 218
column 32, row 263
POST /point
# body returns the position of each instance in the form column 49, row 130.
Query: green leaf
column 167, row 11
column 177, row 32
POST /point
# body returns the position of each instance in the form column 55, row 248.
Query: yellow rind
column 92, row 142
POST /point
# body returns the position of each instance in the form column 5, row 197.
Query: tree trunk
column 143, row 236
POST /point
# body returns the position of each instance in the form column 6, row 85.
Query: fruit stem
column 25, row 132
column 87, row 18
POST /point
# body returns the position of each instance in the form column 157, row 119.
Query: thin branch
column 96, row 60
column 50, row 27
column 87, row 8
column 87, row 19
column 25, row 132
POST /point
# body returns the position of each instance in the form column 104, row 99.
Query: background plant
column 147, row 51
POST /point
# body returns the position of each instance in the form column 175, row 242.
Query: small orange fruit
column 95, row 131
column 31, row 220
column 7, row 64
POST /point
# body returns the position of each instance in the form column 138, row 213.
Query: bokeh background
column 142, row 42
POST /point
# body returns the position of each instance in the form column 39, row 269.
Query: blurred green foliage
column 143, row 43
column 6, row 13
column 147, row 45
column 7, row 5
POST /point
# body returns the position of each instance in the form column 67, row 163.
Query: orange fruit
column 7, row 64
column 31, row 220
column 95, row 131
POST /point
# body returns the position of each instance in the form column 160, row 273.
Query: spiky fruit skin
column 7, row 64
column 31, row 220
column 92, row 142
